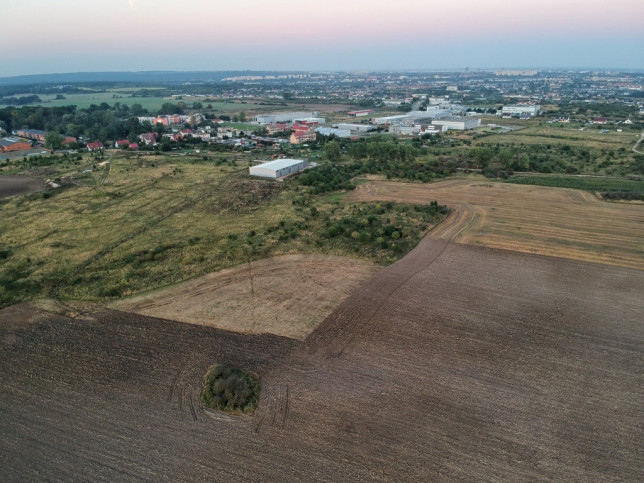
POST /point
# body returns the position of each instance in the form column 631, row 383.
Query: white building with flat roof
column 519, row 109
column 458, row 123
column 278, row 168
column 284, row 117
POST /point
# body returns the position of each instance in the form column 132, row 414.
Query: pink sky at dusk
column 68, row 33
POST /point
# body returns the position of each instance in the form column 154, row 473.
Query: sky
column 61, row 36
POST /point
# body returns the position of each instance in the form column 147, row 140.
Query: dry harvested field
column 458, row 362
column 288, row 295
column 326, row 108
column 18, row 185
column 558, row 222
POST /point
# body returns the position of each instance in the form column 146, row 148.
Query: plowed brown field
column 18, row 185
column 288, row 295
column 559, row 222
column 456, row 363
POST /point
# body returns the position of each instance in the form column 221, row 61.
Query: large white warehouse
column 518, row 109
column 360, row 128
column 278, row 168
column 458, row 123
column 284, row 117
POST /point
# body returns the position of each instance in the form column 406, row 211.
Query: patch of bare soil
column 245, row 195
column 19, row 185
column 287, row 295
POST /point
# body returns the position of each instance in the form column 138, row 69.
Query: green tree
column 137, row 110
column 53, row 140
column 332, row 151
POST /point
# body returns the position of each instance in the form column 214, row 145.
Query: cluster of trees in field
column 501, row 160
column 586, row 111
column 230, row 389
column 20, row 101
column 376, row 155
column 381, row 225
column 615, row 186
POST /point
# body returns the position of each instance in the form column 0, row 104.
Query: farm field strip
column 456, row 362
column 548, row 221
column 287, row 295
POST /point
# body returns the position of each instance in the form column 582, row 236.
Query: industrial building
column 8, row 145
column 414, row 117
column 519, row 109
column 358, row 128
column 278, row 168
column 363, row 112
column 458, row 123
column 330, row 131
column 284, row 117
column 34, row 134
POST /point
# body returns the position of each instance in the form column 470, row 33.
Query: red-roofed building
column 69, row 140
column 123, row 143
column 300, row 128
column 305, row 125
column 148, row 138
column 8, row 145
column 134, row 146
column 96, row 146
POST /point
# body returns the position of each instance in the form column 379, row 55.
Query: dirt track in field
column 456, row 363
column 558, row 222
column 288, row 295
column 18, row 185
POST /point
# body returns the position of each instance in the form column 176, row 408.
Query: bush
column 228, row 389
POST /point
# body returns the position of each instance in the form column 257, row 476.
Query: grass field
column 559, row 222
column 549, row 134
column 144, row 222
column 151, row 103
column 587, row 183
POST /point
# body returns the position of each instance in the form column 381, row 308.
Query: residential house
column 149, row 138
column 95, row 146
column 302, row 136
column 273, row 127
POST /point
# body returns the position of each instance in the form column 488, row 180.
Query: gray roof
column 279, row 164
column 9, row 141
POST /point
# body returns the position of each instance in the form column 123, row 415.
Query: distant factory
column 281, row 117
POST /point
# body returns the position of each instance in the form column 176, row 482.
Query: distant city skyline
column 43, row 37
